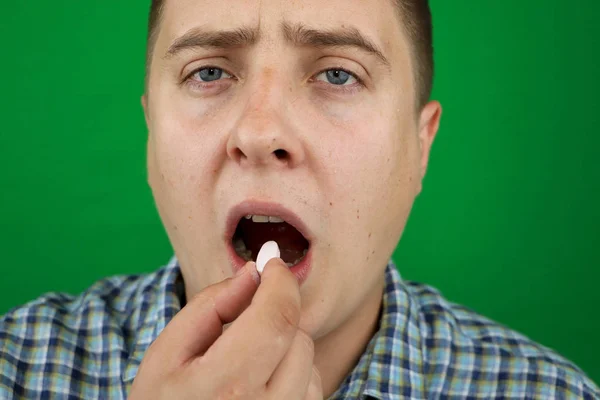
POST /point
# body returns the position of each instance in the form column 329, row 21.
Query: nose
column 262, row 135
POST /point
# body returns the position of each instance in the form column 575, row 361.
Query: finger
column 292, row 376
column 195, row 328
column 260, row 337
column 315, row 387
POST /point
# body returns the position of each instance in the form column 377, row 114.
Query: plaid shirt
column 90, row 346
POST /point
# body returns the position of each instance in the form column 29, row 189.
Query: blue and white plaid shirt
column 90, row 346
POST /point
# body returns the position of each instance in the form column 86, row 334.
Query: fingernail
column 250, row 267
column 255, row 275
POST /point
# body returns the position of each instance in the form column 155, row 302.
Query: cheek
column 184, row 147
column 182, row 172
column 371, row 162
column 372, row 176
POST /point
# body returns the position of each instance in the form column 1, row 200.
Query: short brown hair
column 417, row 23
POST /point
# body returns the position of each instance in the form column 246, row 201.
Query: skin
column 354, row 163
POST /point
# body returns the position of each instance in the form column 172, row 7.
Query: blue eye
column 337, row 77
column 209, row 74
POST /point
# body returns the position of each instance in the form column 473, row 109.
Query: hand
column 262, row 355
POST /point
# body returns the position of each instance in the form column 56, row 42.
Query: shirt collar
column 391, row 368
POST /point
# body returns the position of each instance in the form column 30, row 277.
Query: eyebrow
column 198, row 38
column 300, row 35
column 297, row 34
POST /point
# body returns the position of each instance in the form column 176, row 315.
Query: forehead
column 377, row 19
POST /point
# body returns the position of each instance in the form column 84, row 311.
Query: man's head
column 317, row 107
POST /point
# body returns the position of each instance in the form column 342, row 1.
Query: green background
column 507, row 224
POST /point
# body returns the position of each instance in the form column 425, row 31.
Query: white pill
column 268, row 251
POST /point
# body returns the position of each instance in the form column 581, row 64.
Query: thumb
column 196, row 327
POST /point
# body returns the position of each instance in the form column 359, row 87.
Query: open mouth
column 253, row 231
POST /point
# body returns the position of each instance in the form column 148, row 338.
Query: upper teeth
column 264, row 218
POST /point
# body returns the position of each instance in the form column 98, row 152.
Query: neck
column 337, row 353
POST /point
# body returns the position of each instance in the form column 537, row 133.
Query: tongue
column 291, row 242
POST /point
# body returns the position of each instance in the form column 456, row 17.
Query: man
column 307, row 123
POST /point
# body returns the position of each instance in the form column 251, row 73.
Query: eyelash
column 359, row 84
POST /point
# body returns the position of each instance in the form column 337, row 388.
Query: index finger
column 200, row 322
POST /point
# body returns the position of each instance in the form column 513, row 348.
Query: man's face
column 276, row 123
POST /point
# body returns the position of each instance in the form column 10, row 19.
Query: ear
column 429, row 122
column 144, row 101
column 149, row 152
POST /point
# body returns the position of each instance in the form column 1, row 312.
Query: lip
column 300, row 270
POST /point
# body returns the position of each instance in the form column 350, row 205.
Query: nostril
column 238, row 154
column 281, row 154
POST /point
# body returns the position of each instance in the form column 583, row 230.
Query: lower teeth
column 242, row 251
